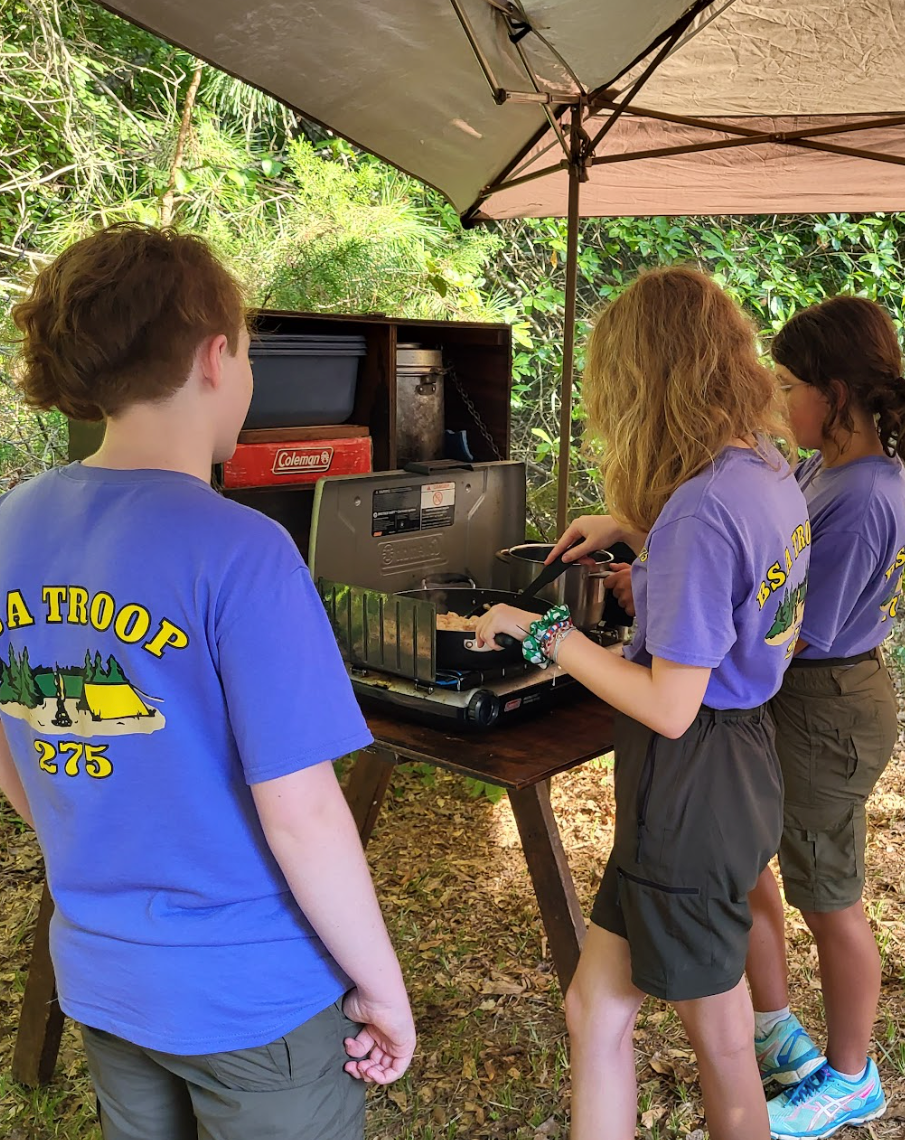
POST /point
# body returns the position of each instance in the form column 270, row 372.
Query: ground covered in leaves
column 493, row 1060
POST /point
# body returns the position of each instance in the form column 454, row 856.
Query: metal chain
column 474, row 413
column 485, row 432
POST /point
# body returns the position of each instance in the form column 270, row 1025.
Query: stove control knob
column 484, row 708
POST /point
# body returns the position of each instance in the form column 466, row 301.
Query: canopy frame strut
column 748, row 136
column 580, row 157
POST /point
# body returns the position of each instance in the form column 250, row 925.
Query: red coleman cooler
column 278, row 462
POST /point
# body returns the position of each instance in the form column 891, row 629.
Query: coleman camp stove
column 391, row 550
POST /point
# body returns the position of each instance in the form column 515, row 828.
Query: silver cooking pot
column 580, row 587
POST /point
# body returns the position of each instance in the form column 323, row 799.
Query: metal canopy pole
column 576, row 173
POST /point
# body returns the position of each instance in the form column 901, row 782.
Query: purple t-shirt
column 857, row 553
column 161, row 649
column 722, row 579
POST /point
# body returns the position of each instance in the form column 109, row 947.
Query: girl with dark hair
column 841, row 367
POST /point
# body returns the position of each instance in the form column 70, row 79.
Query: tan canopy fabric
column 820, row 84
column 450, row 90
column 765, row 178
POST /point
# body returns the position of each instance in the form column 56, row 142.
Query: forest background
column 100, row 121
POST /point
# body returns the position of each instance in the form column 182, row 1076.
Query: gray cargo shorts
column 294, row 1088
column 697, row 820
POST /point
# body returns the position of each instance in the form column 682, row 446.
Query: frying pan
column 452, row 644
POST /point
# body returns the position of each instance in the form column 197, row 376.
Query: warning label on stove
column 395, row 510
column 438, row 505
column 401, row 510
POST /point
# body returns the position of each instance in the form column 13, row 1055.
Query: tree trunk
column 168, row 198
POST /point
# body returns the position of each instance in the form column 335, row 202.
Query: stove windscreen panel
column 389, row 531
column 381, row 631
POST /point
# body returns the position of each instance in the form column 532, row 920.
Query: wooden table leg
column 550, row 874
column 367, row 786
column 41, row 1019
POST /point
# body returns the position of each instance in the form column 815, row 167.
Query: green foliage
column 787, row 611
column 94, row 673
column 90, row 109
column 356, row 236
column 8, row 674
column 90, row 112
column 426, row 774
column 772, row 265
column 17, row 681
column 478, row 788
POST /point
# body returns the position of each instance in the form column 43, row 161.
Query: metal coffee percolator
column 419, row 403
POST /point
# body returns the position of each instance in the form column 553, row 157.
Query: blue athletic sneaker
column 824, row 1103
column 787, row 1055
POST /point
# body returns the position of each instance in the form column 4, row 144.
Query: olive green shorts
column 836, row 726
column 293, row 1088
column 697, row 820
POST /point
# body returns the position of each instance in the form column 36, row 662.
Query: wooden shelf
column 479, row 355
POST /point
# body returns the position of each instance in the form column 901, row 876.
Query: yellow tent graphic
column 113, row 702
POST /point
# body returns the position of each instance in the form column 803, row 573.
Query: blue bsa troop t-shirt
column 857, row 553
column 721, row 583
column 161, row 649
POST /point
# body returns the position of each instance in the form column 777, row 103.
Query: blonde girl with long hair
column 685, row 412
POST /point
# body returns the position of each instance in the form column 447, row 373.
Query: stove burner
column 462, row 680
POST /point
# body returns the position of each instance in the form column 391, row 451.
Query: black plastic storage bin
column 302, row 381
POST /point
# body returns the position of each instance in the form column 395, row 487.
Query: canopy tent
column 516, row 108
column 794, row 107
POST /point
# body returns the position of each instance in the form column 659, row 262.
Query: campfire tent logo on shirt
column 93, row 697
column 789, row 616
column 790, row 609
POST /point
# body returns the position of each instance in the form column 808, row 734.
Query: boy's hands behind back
column 311, row 832
column 383, row 1047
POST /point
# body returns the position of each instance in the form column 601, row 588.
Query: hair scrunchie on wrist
column 542, row 635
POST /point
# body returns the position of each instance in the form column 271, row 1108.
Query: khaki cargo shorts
column 836, row 727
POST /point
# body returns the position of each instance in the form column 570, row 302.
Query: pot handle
column 503, row 555
column 504, row 640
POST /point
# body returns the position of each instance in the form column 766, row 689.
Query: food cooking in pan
column 456, row 622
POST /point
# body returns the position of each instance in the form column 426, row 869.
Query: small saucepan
column 579, row 586
column 456, row 648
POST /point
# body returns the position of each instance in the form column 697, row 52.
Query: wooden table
column 522, row 759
